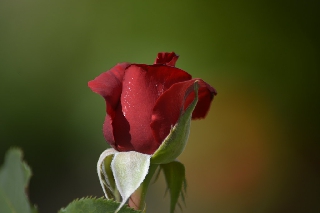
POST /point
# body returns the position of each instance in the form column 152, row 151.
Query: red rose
column 144, row 102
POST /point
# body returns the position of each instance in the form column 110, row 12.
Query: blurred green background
column 258, row 148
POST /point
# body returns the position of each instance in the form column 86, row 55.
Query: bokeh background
column 258, row 148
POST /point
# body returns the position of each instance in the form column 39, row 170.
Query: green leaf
column 14, row 178
column 129, row 170
column 95, row 205
column 174, row 173
column 177, row 139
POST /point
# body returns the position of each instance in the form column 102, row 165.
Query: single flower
column 144, row 102
column 149, row 110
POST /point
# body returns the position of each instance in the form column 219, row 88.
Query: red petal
column 109, row 86
column 165, row 58
column 206, row 94
column 169, row 108
column 121, row 131
column 142, row 85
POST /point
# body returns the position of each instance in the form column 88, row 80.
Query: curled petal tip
column 167, row 58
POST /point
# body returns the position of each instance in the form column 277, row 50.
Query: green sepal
column 96, row 205
column 14, row 179
column 129, row 170
column 174, row 144
column 109, row 182
column 137, row 199
column 105, row 174
column 174, row 173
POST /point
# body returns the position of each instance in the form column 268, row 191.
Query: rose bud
column 149, row 107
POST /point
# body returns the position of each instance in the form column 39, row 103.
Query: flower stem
column 137, row 199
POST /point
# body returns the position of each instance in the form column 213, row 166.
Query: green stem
column 137, row 199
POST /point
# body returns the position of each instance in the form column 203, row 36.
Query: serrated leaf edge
column 98, row 199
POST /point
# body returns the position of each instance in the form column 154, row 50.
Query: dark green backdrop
column 258, row 150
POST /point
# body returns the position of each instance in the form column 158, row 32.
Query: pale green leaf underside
column 176, row 141
column 129, row 170
column 14, row 178
column 95, row 205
